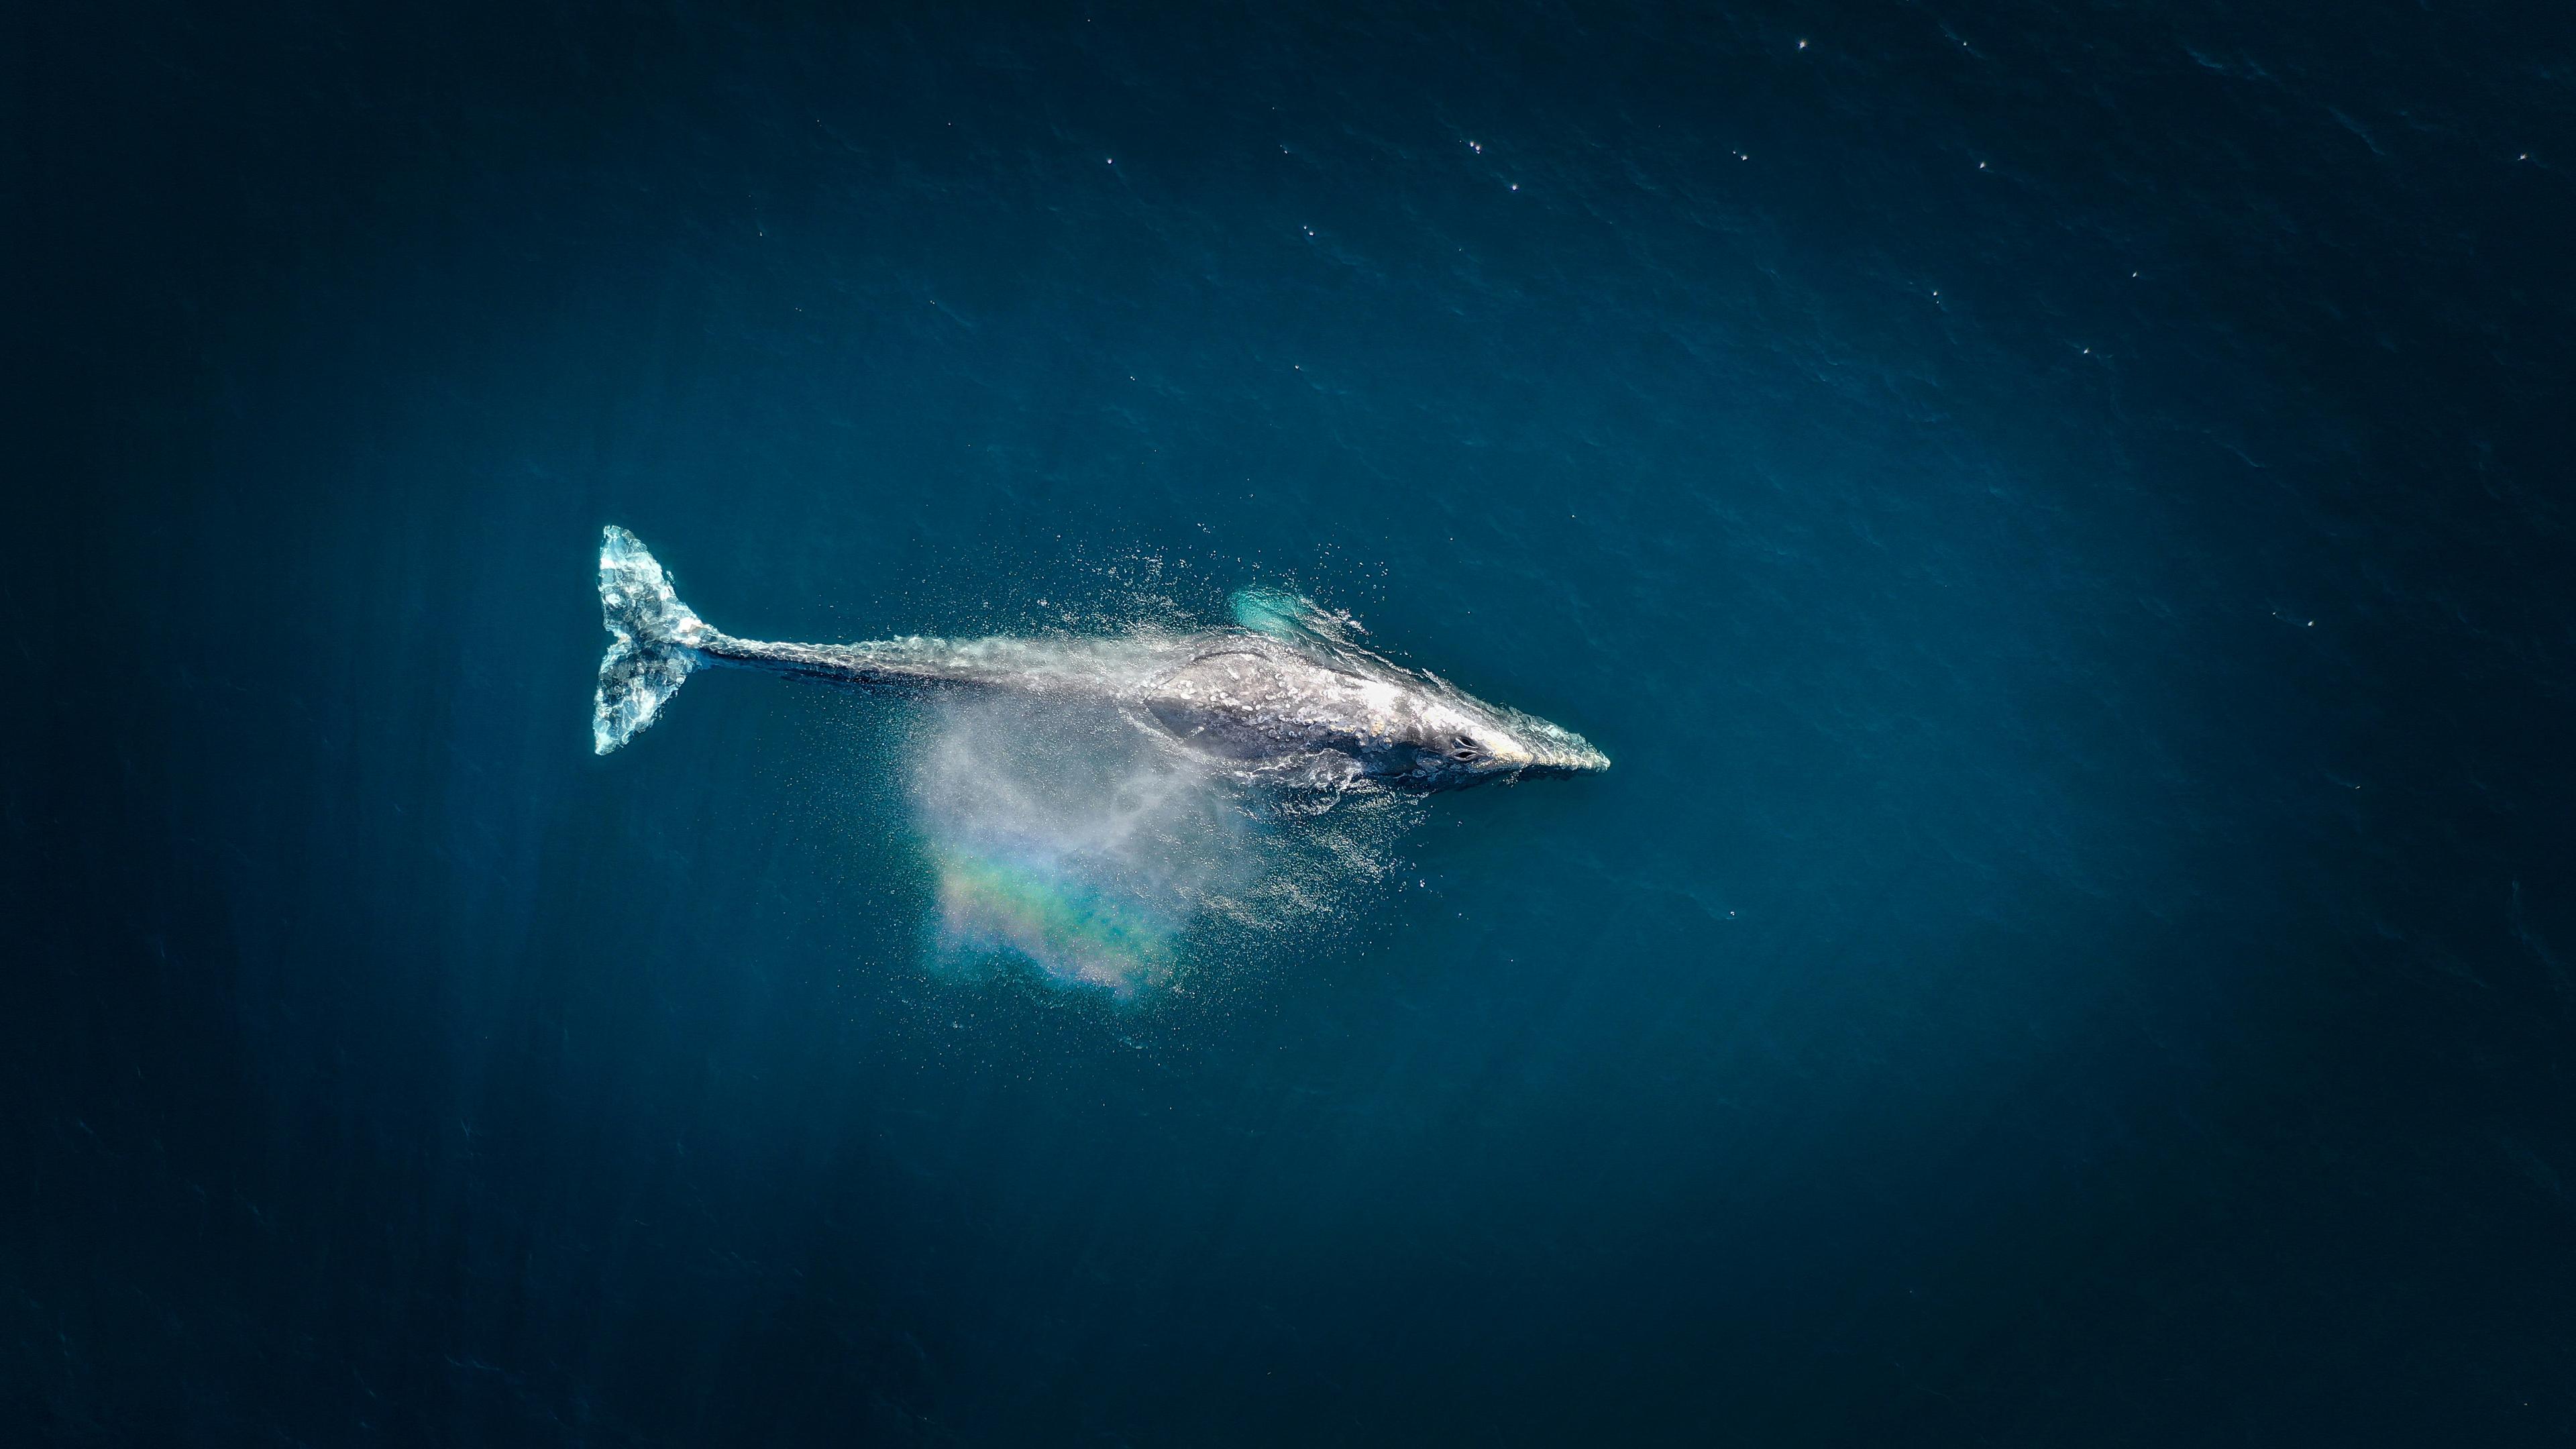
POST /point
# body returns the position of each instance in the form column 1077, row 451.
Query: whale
column 1283, row 694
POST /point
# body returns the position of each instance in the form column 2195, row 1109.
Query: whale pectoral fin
column 1271, row 612
column 1294, row 619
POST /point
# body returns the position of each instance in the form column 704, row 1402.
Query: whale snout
column 1580, row 759
column 1555, row 750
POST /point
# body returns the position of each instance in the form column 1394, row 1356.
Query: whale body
column 1282, row 694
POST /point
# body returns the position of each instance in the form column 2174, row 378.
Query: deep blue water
column 2059, row 512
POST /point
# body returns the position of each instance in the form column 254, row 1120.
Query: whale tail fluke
column 655, row 643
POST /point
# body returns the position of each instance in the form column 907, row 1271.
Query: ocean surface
column 2060, row 513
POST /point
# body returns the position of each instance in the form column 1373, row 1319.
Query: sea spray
column 1061, row 835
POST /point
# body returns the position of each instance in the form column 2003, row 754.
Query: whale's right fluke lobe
column 655, row 644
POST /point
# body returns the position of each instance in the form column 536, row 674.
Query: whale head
column 1463, row 741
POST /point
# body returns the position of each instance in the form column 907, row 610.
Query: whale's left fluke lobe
column 654, row 647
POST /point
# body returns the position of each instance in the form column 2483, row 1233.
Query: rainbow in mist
column 1033, row 907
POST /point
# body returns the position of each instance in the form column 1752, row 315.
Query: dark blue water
column 2058, row 511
